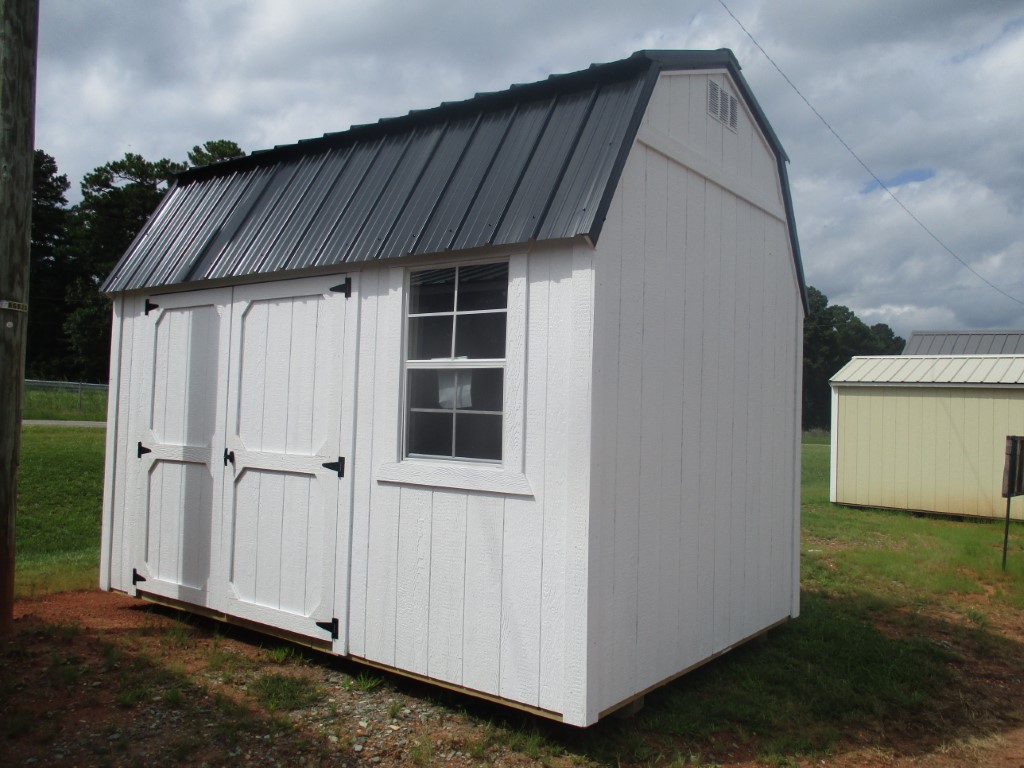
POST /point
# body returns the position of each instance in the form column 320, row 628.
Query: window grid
column 454, row 364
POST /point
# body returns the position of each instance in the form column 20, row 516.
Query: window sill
column 466, row 477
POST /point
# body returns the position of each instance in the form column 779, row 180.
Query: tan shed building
column 926, row 432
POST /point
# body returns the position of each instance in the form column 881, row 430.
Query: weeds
column 284, row 692
column 364, row 681
column 282, row 654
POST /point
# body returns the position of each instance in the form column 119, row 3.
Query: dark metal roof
column 965, row 343
column 535, row 162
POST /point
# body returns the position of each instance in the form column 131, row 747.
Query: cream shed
column 926, row 432
column 503, row 395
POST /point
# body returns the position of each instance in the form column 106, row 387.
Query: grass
column 60, row 492
column 91, row 405
column 890, row 601
column 284, row 692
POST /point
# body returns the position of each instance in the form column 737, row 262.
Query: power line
column 864, row 165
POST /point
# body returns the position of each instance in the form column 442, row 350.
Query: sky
column 927, row 93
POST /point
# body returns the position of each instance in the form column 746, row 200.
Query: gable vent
column 722, row 105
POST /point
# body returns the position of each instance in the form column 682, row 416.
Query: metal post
column 1006, row 531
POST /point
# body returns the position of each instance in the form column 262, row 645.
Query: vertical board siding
column 481, row 616
column 112, row 520
column 414, row 578
column 579, row 671
column 447, row 586
column 369, row 289
column 467, row 587
column 696, row 339
column 936, row 449
column 384, row 502
column 654, row 663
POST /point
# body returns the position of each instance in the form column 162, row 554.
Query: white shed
column 502, row 395
column 926, row 432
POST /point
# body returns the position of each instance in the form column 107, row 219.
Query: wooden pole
column 19, row 26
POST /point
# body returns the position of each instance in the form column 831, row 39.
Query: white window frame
column 506, row 476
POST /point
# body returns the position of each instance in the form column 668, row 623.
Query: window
column 455, row 362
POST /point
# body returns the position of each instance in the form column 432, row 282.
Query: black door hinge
column 229, row 456
column 143, row 450
column 329, row 626
column 345, row 288
column 336, row 466
column 137, row 577
column 150, row 306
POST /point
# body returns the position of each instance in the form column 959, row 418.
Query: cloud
column 923, row 91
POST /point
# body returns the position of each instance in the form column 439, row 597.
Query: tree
column 214, row 151
column 46, row 349
column 833, row 335
column 117, row 200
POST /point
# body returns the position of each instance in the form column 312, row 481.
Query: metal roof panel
column 544, row 170
column 932, row 370
column 540, row 160
column 982, row 342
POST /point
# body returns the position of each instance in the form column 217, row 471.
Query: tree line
column 74, row 249
column 832, row 335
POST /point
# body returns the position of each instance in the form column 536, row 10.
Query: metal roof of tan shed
column 539, row 161
column 933, row 371
column 965, row 343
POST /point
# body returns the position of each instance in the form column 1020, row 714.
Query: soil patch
column 98, row 679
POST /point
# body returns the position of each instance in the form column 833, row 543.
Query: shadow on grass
column 78, row 695
column 853, row 671
column 850, row 672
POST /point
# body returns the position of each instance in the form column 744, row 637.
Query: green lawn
column 60, row 491
column 91, row 405
column 895, row 607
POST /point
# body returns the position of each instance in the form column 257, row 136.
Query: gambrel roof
column 535, row 162
column 965, row 343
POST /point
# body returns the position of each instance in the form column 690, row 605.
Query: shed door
column 284, row 423
column 177, row 383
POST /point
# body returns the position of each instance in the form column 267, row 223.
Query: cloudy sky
column 926, row 92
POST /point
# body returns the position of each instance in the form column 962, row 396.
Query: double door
column 242, row 417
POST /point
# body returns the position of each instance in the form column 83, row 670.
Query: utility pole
column 19, row 27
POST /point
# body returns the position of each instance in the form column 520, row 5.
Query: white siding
column 647, row 517
column 468, row 586
column 696, row 401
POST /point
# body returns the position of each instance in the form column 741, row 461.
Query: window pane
column 478, row 436
column 480, row 336
column 430, row 337
column 423, row 389
column 432, row 290
column 430, row 433
column 483, row 287
column 480, row 389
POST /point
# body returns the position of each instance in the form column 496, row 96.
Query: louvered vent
column 723, row 105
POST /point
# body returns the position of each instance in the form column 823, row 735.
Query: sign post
column 1013, row 481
